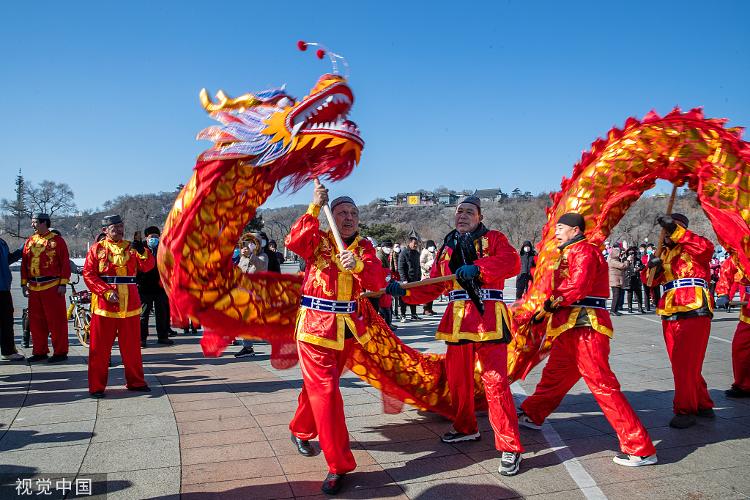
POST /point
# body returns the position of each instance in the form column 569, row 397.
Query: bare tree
column 50, row 197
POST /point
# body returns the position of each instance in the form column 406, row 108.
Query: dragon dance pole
column 413, row 284
column 332, row 223
column 662, row 235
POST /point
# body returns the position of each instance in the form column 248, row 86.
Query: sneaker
column 414, row 317
column 510, row 462
column 14, row 357
column 36, row 357
column 456, row 437
column 245, row 352
column 634, row 460
column 682, row 421
column 525, row 421
column 403, row 319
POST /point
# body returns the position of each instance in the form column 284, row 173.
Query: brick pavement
column 218, row 427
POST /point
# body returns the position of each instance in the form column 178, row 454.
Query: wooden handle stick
column 332, row 222
column 413, row 284
column 662, row 235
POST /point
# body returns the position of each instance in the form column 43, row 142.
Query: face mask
column 649, row 252
column 397, row 249
column 387, row 250
column 431, row 249
column 526, row 249
column 263, row 243
column 152, row 242
column 251, row 246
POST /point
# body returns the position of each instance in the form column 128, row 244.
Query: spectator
column 153, row 296
column 632, row 279
column 273, row 248
column 655, row 291
column 7, row 338
column 426, row 259
column 616, row 269
column 528, row 262
column 254, row 257
column 393, row 265
column 385, row 303
column 408, row 268
column 274, row 265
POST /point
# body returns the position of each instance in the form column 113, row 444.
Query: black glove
column 549, row 306
column 138, row 246
column 667, row 223
column 394, row 288
column 722, row 301
column 654, row 262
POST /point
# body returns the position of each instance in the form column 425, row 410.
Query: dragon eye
column 284, row 102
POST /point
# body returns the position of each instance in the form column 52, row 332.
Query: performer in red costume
column 686, row 308
column 109, row 273
column 327, row 325
column 581, row 328
column 729, row 274
column 45, row 271
column 482, row 260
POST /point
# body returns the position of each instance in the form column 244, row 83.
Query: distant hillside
column 519, row 218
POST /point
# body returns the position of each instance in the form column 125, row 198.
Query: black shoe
column 457, row 437
column 706, row 413
column 245, row 352
column 97, row 395
column 172, row 333
column 37, row 357
column 332, row 483
column 57, row 358
column 303, row 446
column 166, row 341
column 393, row 327
column 143, row 388
column 414, row 317
column 617, row 313
column 682, row 421
column 737, row 393
column 143, row 344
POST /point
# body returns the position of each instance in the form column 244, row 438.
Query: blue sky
column 104, row 95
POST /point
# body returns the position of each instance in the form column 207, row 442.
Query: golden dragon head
column 297, row 139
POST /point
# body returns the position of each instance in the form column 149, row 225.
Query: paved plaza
column 218, row 428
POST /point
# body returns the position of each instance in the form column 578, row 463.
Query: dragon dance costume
column 476, row 338
column 730, row 274
column 111, row 266
column 686, row 309
column 327, row 326
column 580, row 330
column 45, row 265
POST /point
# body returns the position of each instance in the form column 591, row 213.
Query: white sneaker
column 510, row 462
column 634, row 460
column 525, row 421
column 14, row 357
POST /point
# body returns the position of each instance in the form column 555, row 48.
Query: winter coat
column 149, row 282
column 6, row 259
column 616, row 268
column 528, row 259
column 632, row 274
column 426, row 259
column 408, row 265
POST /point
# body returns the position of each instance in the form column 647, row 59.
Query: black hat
column 386, row 243
column 108, row 220
column 152, row 230
column 340, row 200
column 472, row 200
column 40, row 216
column 680, row 219
column 573, row 220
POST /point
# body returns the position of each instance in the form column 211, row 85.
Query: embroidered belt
column 484, row 294
column 330, row 306
column 119, row 280
column 43, row 279
column 592, row 302
column 685, row 283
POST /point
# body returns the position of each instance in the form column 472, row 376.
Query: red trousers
column 584, row 352
column 460, row 360
column 741, row 357
column 103, row 333
column 48, row 315
column 320, row 409
column 686, row 341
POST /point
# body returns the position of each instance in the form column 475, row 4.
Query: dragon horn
column 226, row 102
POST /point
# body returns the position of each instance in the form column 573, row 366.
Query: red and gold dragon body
column 269, row 138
